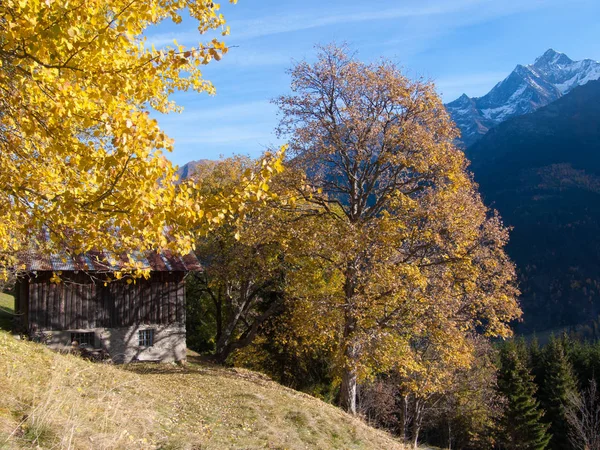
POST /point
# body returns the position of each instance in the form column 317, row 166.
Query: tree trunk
column 236, row 306
column 348, row 391
column 351, row 351
column 417, row 421
column 221, row 352
column 218, row 316
column 404, row 418
column 229, row 343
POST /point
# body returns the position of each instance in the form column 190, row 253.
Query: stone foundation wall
column 122, row 344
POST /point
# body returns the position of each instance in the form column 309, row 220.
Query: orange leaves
column 416, row 258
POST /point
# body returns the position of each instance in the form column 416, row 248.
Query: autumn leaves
column 392, row 260
column 81, row 156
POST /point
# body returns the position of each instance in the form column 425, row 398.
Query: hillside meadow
column 52, row 400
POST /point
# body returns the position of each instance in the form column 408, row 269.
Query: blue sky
column 462, row 45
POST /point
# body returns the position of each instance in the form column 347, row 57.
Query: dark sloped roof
column 166, row 261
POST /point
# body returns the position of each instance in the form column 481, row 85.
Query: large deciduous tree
column 404, row 259
column 241, row 284
column 81, row 157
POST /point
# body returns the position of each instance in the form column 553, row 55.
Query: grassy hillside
column 50, row 400
column 7, row 305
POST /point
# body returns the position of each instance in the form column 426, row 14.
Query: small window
column 83, row 339
column 146, row 338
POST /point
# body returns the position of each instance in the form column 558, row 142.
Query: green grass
column 50, row 400
column 7, row 309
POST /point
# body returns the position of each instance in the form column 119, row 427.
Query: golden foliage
column 402, row 257
column 80, row 155
column 242, row 259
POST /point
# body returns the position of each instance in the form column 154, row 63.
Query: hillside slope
column 542, row 172
column 48, row 400
column 188, row 169
column 6, row 311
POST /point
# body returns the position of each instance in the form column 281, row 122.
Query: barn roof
column 107, row 262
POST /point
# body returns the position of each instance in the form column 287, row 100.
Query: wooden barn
column 131, row 321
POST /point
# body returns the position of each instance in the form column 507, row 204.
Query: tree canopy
column 82, row 159
column 405, row 260
column 240, row 286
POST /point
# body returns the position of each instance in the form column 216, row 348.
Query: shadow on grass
column 7, row 312
column 199, row 368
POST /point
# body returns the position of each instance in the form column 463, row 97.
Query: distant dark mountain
column 188, row 169
column 526, row 89
column 542, row 172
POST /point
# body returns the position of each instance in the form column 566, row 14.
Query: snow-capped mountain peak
column 526, row 89
column 551, row 58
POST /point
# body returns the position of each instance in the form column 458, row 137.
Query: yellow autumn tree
column 243, row 263
column 399, row 255
column 81, row 157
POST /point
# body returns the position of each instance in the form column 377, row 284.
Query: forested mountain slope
column 542, row 172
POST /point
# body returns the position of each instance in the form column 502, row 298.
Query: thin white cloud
column 440, row 16
column 230, row 134
column 266, row 26
column 286, row 23
column 232, row 112
column 474, row 85
column 188, row 38
column 234, row 124
column 240, row 57
column 473, row 9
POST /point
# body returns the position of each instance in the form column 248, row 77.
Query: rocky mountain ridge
column 188, row 169
column 526, row 89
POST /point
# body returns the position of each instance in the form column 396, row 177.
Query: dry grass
column 49, row 400
column 59, row 401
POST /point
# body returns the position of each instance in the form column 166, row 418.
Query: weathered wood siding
column 80, row 303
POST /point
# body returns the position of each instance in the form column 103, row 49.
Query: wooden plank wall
column 79, row 303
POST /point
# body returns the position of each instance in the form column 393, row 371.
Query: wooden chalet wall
column 78, row 303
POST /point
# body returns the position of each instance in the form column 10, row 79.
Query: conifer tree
column 536, row 361
column 585, row 359
column 557, row 388
column 522, row 425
